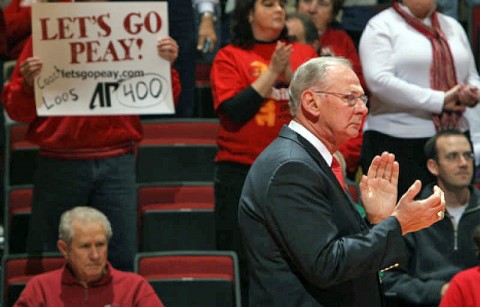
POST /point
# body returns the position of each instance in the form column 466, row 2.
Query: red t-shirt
column 233, row 70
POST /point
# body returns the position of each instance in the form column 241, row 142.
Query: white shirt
column 396, row 62
column 205, row 5
column 312, row 139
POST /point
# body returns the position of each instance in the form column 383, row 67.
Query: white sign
column 100, row 58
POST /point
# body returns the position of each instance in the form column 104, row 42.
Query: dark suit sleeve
column 410, row 288
column 301, row 217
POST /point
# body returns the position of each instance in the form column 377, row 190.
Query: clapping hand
column 281, row 58
column 378, row 189
column 414, row 215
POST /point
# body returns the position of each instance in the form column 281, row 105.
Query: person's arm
column 18, row 26
column 243, row 100
column 18, row 95
column 32, row 295
column 412, row 290
column 146, row 296
column 380, row 52
column 206, row 28
column 4, row 3
column 301, row 219
column 454, row 296
column 243, row 106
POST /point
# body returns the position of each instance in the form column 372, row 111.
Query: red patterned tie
column 337, row 170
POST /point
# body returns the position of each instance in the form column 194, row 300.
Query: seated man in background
column 302, row 29
column 87, row 279
column 445, row 248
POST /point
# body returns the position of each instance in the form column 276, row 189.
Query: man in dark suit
column 306, row 244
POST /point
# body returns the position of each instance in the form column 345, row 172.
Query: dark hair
column 241, row 31
column 336, row 7
column 431, row 150
column 311, row 32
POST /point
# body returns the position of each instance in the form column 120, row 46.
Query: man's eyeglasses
column 350, row 98
column 455, row 156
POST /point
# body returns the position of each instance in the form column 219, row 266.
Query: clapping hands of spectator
column 378, row 188
column 280, row 61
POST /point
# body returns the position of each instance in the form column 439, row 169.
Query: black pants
column 229, row 179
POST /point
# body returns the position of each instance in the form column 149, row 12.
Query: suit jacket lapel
column 312, row 151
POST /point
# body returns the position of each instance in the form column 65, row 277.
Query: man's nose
column 95, row 253
column 312, row 6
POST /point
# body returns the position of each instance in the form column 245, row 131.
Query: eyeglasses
column 455, row 156
column 350, row 98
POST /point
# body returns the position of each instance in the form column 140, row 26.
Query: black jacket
column 306, row 244
column 436, row 254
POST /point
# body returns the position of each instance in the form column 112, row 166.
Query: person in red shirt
column 18, row 27
column 82, row 160
column 87, row 279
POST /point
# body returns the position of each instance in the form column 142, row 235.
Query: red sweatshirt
column 116, row 288
column 18, row 28
column 72, row 137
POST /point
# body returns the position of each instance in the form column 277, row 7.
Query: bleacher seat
column 20, row 156
column 192, row 278
column 18, row 269
column 176, row 217
column 203, row 91
column 19, row 205
column 177, row 150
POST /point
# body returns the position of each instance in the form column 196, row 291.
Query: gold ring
column 440, row 215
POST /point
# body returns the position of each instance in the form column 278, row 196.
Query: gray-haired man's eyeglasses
column 350, row 98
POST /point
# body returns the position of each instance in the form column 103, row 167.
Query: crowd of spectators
column 413, row 60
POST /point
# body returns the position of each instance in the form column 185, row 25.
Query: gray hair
column 311, row 73
column 85, row 215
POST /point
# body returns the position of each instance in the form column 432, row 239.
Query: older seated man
column 87, row 279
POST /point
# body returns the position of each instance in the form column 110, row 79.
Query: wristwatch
column 209, row 15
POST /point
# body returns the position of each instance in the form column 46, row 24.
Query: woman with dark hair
column 249, row 78
column 464, row 289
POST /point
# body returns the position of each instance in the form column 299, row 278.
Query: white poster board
column 100, row 58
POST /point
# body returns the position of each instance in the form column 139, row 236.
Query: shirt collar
column 312, row 139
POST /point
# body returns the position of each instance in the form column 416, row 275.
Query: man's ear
column 310, row 105
column 432, row 167
column 63, row 248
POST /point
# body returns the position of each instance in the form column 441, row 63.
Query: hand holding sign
column 110, row 61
